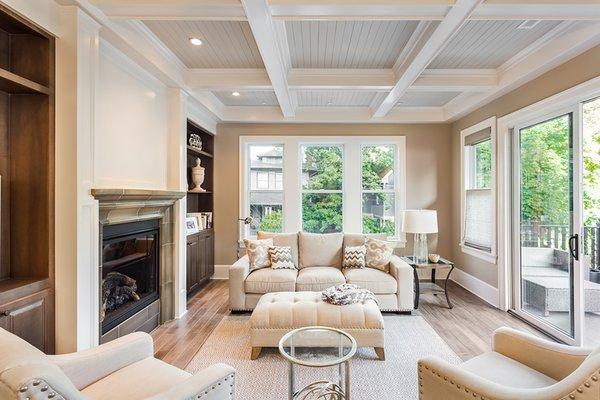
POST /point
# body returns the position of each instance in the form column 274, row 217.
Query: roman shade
column 478, row 219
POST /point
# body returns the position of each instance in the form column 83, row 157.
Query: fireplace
column 129, row 273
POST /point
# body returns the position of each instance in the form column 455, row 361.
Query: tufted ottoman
column 278, row 313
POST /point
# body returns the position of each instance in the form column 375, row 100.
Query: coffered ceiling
column 355, row 60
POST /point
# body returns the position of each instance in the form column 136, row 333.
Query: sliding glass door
column 547, row 224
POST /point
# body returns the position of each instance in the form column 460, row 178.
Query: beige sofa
column 319, row 261
column 520, row 366
column 122, row 369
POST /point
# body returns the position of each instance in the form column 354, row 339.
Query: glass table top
column 317, row 346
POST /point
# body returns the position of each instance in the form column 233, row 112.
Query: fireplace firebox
column 129, row 272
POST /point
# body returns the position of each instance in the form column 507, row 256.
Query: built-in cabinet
column 200, row 259
column 26, row 180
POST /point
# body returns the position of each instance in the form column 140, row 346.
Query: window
column 378, row 189
column 329, row 183
column 265, row 195
column 322, row 178
column 478, row 193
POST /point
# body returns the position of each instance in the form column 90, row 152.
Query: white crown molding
column 228, row 79
column 453, row 21
column 202, row 116
column 519, row 10
column 224, row 10
column 455, row 80
column 210, row 102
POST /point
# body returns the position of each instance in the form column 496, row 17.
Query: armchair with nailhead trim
column 520, row 366
column 124, row 368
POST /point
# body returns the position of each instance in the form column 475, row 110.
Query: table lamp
column 420, row 222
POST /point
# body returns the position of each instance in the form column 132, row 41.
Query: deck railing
column 557, row 236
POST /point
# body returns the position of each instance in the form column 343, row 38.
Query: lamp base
column 420, row 251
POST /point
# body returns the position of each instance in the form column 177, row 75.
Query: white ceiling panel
column 225, row 44
column 248, row 98
column 347, row 44
column 425, row 99
column 488, row 44
column 335, row 98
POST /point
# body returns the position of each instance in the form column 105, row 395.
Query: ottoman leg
column 255, row 353
column 380, row 351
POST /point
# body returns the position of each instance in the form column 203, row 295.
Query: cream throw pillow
column 378, row 254
column 258, row 253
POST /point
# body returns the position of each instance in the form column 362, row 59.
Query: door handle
column 574, row 246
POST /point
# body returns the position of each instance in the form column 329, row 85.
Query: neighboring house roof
column 266, row 198
column 273, row 153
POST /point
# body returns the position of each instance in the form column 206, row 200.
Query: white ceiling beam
column 455, row 18
column 431, row 10
column 215, row 10
column 266, row 36
column 333, row 115
column 431, row 80
column 580, row 37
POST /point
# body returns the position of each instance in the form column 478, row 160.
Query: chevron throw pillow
column 281, row 257
column 354, row 257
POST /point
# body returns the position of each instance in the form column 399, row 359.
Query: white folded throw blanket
column 345, row 294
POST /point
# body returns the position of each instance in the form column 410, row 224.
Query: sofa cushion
column 500, row 369
column 320, row 250
column 283, row 239
column 358, row 239
column 139, row 380
column 318, row 278
column 376, row 281
column 267, row 280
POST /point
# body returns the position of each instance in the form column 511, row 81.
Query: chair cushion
column 320, row 250
column 376, row 281
column 267, row 280
column 139, row 380
column 317, row 279
column 283, row 239
column 505, row 371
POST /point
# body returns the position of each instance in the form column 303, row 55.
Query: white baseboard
column 479, row 288
column 221, row 272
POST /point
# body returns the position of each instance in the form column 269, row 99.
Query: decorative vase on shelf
column 198, row 177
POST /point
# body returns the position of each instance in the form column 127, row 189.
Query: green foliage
column 375, row 160
column 322, row 212
column 272, row 222
column 591, row 162
column 483, row 164
column 373, row 225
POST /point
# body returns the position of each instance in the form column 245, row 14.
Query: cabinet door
column 30, row 318
column 191, row 263
column 210, row 255
column 202, row 258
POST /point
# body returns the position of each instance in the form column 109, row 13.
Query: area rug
column 408, row 338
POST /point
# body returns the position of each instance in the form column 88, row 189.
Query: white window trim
column 352, row 182
column 465, row 175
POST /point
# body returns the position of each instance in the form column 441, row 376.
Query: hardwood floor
column 467, row 328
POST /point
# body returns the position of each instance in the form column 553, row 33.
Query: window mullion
column 352, row 188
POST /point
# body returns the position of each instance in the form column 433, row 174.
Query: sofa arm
column 403, row 273
column 237, row 275
column 216, row 382
column 88, row 366
column 551, row 359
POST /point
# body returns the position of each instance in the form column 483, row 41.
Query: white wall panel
column 226, row 44
column 132, row 116
column 347, row 44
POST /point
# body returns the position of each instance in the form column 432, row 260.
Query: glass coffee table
column 319, row 346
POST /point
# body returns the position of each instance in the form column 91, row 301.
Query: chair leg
column 255, row 353
column 380, row 351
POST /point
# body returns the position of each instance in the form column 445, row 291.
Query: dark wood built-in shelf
column 199, row 152
column 15, row 84
column 207, row 192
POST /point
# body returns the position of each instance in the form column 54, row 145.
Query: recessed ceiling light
column 235, row 94
column 195, row 41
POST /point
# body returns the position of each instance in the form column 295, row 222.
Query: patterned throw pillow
column 281, row 257
column 378, row 254
column 354, row 257
column 258, row 253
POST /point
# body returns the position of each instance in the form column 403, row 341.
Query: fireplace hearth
column 130, row 271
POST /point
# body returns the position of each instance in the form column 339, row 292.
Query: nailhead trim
column 219, row 383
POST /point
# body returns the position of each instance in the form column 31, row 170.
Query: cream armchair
column 122, row 369
column 519, row 367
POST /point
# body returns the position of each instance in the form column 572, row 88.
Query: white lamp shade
column 420, row 221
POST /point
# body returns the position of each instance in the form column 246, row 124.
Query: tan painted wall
column 428, row 171
column 576, row 71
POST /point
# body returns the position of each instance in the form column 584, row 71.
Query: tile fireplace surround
column 117, row 206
